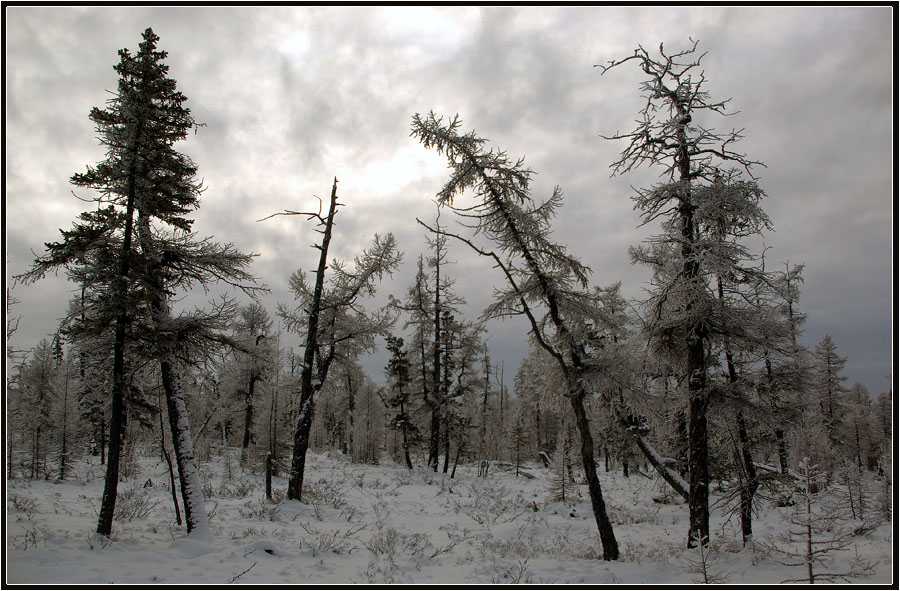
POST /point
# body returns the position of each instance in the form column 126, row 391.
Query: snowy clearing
column 361, row 524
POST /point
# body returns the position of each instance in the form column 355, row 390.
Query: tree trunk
column 168, row 459
column 698, row 464
column 248, row 412
column 456, row 461
column 403, row 431
column 749, row 481
column 307, row 405
column 102, row 438
column 434, row 442
column 117, row 420
column 436, row 367
column 191, row 485
column 446, row 438
column 607, row 537
column 269, row 475
column 63, row 454
column 179, row 422
column 629, row 424
column 351, row 405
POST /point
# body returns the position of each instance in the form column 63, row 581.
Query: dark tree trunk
column 351, row 405
column 63, row 453
column 168, row 459
column 102, row 438
column 434, row 442
column 604, row 526
column 118, row 418
column 269, row 475
column 307, row 404
column 698, row 461
column 749, row 481
column 695, row 358
column 459, row 449
column 403, row 431
column 445, row 436
column 782, row 451
column 248, row 412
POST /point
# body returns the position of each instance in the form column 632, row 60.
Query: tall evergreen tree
column 398, row 373
column 829, row 390
column 131, row 262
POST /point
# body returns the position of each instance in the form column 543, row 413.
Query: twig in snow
column 236, row 577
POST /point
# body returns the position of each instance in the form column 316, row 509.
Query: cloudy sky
column 294, row 96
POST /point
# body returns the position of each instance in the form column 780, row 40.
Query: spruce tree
column 398, row 373
column 136, row 250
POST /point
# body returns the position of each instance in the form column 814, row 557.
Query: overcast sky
column 294, row 96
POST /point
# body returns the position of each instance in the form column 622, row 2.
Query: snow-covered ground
column 386, row 524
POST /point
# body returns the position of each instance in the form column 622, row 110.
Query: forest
column 686, row 436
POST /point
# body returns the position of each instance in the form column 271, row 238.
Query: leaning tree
column 538, row 271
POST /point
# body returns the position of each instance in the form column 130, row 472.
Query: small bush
column 133, row 504
column 236, row 489
column 25, row 505
column 262, row 509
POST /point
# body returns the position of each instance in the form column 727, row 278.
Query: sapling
column 817, row 531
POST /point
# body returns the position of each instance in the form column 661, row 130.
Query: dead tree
column 332, row 323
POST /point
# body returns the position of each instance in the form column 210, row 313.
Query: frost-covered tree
column 136, row 251
column 538, row 271
column 818, row 529
column 702, row 181
column 329, row 318
column 883, row 427
column 828, row 386
column 785, row 373
column 39, row 390
column 254, row 356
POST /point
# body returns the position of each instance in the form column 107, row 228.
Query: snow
column 386, row 524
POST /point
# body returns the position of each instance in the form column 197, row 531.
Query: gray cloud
column 293, row 96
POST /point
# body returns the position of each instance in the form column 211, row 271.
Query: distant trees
column 40, row 387
column 255, row 355
column 827, row 381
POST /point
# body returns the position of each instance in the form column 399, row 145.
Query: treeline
column 704, row 381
